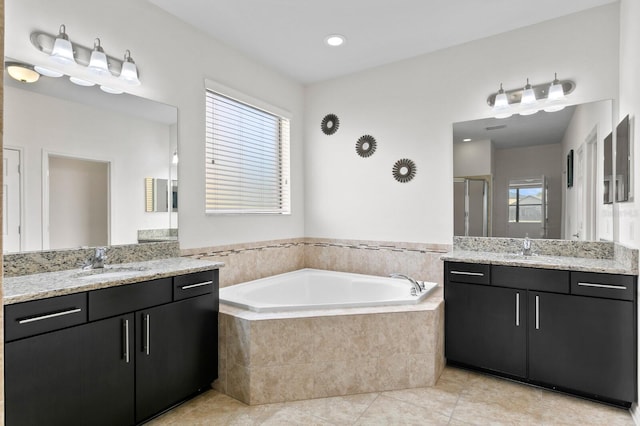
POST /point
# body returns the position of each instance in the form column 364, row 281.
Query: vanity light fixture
column 85, row 66
column 22, row 72
column 62, row 51
column 528, row 102
column 501, row 107
column 129, row 72
column 530, row 99
column 98, row 63
column 556, row 98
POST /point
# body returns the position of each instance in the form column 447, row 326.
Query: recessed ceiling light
column 335, row 40
column 466, row 140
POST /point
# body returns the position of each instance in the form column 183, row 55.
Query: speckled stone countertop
column 566, row 263
column 586, row 256
column 50, row 284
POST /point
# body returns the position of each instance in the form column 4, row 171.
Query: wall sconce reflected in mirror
column 22, row 72
column 530, row 99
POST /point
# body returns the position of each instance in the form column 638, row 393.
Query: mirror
column 56, row 136
column 539, row 175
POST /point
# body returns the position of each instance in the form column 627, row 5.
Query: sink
column 108, row 272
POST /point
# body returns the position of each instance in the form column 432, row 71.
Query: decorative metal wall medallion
column 404, row 170
column 366, row 146
column 330, row 124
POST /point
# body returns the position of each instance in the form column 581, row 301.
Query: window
column 525, row 201
column 247, row 158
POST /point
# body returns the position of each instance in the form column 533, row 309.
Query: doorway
column 77, row 209
column 11, row 200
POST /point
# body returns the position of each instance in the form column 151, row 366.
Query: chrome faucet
column 97, row 260
column 417, row 287
column 526, row 246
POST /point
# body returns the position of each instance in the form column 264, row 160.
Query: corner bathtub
column 308, row 289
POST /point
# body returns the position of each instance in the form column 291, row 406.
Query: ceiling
column 517, row 131
column 288, row 35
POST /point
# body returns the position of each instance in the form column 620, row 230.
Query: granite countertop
column 569, row 263
column 39, row 286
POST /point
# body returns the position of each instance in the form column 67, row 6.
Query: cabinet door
column 485, row 327
column 584, row 344
column 76, row 376
column 176, row 353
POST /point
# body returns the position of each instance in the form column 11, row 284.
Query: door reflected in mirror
column 524, row 161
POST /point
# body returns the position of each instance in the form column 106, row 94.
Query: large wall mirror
column 76, row 161
column 539, row 175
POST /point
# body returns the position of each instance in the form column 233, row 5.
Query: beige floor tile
column 459, row 398
column 341, row 410
column 435, row 399
column 390, row 411
column 564, row 409
column 294, row 417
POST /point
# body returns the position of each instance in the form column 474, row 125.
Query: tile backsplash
column 246, row 262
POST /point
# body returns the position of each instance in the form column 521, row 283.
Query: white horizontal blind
column 247, row 158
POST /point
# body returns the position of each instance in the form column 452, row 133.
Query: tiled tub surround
column 50, row 284
column 248, row 262
column 287, row 356
column 587, row 256
column 38, row 262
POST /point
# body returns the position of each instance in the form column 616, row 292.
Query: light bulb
column 129, row 71
column 98, row 63
column 501, row 107
column 62, row 51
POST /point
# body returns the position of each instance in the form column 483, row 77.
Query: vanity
column 112, row 346
column 563, row 322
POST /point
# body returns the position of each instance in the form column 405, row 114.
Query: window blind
column 247, row 158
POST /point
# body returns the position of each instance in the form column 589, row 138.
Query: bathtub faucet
column 417, row 287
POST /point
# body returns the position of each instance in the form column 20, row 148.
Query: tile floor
column 459, row 398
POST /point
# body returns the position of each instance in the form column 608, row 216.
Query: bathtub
column 308, row 289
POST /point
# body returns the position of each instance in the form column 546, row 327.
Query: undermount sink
column 531, row 257
column 108, row 272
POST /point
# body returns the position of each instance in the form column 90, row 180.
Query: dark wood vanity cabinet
column 573, row 331
column 70, row 377
column 116, row 356
column 489, row 330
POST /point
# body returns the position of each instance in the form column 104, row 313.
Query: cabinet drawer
column 549, row 280
column 474, row 273
column 190, row 285
column 114, row 301
column 610, row 286
column 41, row 316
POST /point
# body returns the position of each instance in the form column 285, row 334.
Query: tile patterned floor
column 459, row 398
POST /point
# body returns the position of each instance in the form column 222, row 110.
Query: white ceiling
column 517, row 131
column 289, row 34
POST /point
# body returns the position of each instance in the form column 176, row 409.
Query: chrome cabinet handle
column 48, row 316
column 474, row 274
column 187, row 287
column 517, row 309
column 125, row 326
column 537, row 312
column 145, row 347
column 611, row 286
